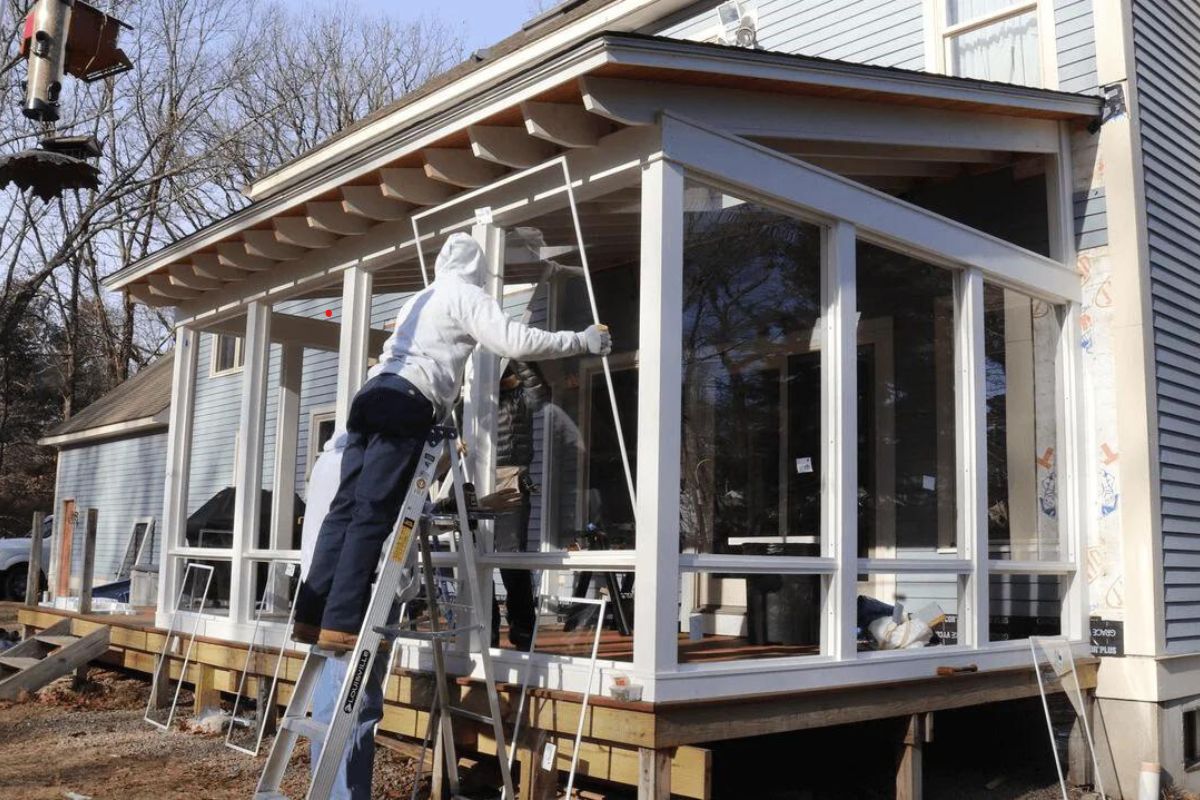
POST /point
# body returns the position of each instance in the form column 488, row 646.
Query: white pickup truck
column 14, row 563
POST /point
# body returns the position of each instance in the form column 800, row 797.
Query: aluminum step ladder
column 400, row 556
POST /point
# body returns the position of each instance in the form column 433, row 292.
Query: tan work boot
column 337, row 641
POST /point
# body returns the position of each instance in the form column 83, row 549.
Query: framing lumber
column 510, row 147
column 460, row 168
column 161, row 285
column 297, row 232
column 33, row 581
column 43, row 667
column 654, row 774
column 563, row 125
column 369, row 202
column 332, row 218
column 89, row 562
column 266, row 244
column 412, row 185
column 186, row 276
column 909, row 775
column 209, row 265
column 236, row 255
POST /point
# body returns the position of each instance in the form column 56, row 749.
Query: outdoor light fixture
column 739, row 23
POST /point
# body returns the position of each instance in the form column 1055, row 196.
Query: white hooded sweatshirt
column 438, row 327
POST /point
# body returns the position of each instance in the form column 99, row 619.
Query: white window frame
column 316, row 416
column 239, row 356
column 938, row 35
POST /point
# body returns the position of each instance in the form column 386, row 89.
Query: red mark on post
column 1108, row 455
column 329, row 312
column 1047, row 459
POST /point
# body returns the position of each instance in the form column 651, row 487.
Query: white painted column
column 248, row 469
column 839, row 435
column 179, row 456
column 480, row 397
column 660, row 402
column 287, row 428
column 971, row 435
column 354, row 344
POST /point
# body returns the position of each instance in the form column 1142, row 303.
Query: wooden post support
column 1079, row 758
column 909, row 781
column 438, row 784
column 33, row 584
column 161, row 686
column 654, row 774
column 89, row 563
column 205, row 695
column 268, row 706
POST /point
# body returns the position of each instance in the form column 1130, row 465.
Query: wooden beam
column 142, row 294
column 162, row 286
column 297, row 232
column 563, row 125
column 88, row 572
column 414, row 186
column 806, row 148
column 370, row 203
column 511, row 147
column 654, row 774
column 205, row 693
column 459, row 167
column 332, row 218
column 33, row 581
column 266, row 244
column 890, row 167
column 208, row 265
column 236, row 255
column 761, row 115
column 316, row 334
column 909, row 777
column 184, row 275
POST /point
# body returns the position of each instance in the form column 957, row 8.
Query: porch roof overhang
column 368, row 186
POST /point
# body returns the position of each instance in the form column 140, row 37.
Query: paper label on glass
column 548, row 756
column 804, row 465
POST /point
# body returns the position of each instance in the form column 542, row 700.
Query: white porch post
column 283, row 492
column 839, row 432
column 479, row 411
column 971, row 434
column 248, row 469
column 660, row 400
column 354, row 345
column 179, row 456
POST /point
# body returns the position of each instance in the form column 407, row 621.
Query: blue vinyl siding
column 123, row 480
column 1166, row 37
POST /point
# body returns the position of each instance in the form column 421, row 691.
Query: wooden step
column 18, row 662
column 56, row 640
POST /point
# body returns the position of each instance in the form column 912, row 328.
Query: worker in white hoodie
column 415, row 383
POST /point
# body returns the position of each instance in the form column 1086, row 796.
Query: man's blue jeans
column 388, row 425
column 357, row 767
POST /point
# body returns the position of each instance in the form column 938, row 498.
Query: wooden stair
column 54, row 652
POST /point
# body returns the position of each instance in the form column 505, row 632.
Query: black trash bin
column 783, row 609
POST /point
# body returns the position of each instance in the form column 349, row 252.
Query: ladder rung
column 55, row 640
column 307, row 727
column 18, row 662
column 471, row 715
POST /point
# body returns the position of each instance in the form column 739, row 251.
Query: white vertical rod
column 247, row 480
column 287, row 429
column 839, row 438
column 612, row 393
column 179, row 457
column 971, row 434
column 354, row 343
column 660, row 399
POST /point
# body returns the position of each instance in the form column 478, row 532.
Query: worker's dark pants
column 388, row 425
column 512, row 536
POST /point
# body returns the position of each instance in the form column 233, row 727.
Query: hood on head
column 462, row 257
column 336, row 442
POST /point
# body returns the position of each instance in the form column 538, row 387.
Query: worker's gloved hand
column 502, row 501
column 597, row 339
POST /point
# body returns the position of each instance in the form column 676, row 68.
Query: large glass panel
column 1025, row 605
column 729, row 617
column 907, row 459
column 958, row 11
column 904, row 611
column 751, row 379
column 1021, row 338
column 558, row 437
column 1006, row 51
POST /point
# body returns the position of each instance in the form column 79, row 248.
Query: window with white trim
column 227, row 354
column 994, row 40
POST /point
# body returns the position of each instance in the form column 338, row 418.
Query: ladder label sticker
column 548, row 756
column 400, row 548
column 360, row 672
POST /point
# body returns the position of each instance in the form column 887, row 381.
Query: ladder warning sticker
column 403, row 537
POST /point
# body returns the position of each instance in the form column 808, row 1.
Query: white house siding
column 886, row 33
column 123, row 480
column 1166, row 36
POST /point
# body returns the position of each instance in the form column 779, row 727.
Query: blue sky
column 485, row 21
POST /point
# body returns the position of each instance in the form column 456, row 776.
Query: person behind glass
column 417, row 381
column 523, row 392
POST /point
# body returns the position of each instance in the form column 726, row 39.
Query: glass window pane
column 966, row 10
column 729, row 617
column 1025, row 605
column 1006, row 51
column 751, row 379
column 1021, row 348
column 904, row 611
column 906, row 409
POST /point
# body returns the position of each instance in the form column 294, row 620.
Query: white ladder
column 400, row 556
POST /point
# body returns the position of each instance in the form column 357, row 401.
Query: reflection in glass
column 728, row 617
column 751, row 379
column 1025, row 605
column 1005, row 51
column 907, row 466
column 1020, row 347
column 907, row 611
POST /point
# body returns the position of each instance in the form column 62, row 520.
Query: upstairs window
column 993, row 40
column 228, row 355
